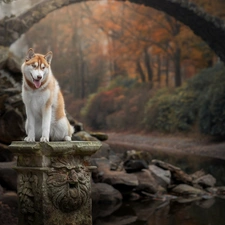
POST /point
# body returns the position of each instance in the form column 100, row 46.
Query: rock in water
column 187, row 190
column 162, row 176
column 135, row 165
column 206, row 181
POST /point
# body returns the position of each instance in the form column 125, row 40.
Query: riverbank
column 169, row 144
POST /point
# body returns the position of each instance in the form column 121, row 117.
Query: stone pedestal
column 54, row 182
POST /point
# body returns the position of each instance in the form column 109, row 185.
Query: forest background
column 126, row 67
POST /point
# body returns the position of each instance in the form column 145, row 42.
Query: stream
column 173, row 212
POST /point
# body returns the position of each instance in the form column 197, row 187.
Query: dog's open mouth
column 37, row 83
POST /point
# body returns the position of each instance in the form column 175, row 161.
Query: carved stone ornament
column 68, row 184
column 54, row 182
column 28, row 188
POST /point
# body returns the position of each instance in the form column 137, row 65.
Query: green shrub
column 122, row 81
column 117, row 108
column 158, row 112
column 212, row 112
column 99, row 106
column 176, row 110
column 200, row 101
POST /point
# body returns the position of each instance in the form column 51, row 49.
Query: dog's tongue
column 37, row 83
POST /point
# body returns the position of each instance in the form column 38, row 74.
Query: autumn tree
column 138, row 35
column 96, row 41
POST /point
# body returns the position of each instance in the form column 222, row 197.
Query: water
column 204, row 212
column 188, row 163
column 175, row 212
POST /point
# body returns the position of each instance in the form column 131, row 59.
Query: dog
column 44, row 102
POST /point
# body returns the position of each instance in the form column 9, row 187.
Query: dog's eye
column 43, row 67
column 33, row 65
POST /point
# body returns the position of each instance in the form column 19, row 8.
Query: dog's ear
column 48, row 57
column 30, row 54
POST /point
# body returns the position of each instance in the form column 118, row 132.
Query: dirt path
column 169, row 144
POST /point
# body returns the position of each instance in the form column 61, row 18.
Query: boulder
column 206, row 181
column 4, row 53
column 104, row 151
column 121, row 180
column 2, row 102
column 198, row 174
column 5, row 154
column 8, row 176
column 99, row 135
column 162, row 176
column 9, row 61
column 77, row 125
column 146, row 182
column 12, row 109
column 188, row 191
column 105, row 194
column 116, row 162
column 15, row 100
column 136, row 155
column 13, row 64
column 105, row 199
column 102, row 165
column 10, row 198
column 178, row 176
column 8, row 179
column 11, row 126
column 213, row 190
column 135, row 165
column 9, row 209
column 83, row 136
column 221, row 190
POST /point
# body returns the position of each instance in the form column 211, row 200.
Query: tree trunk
column 167, row 70
column 148, row 66
column 82, row 74
column 141, row 72
column 159, row 70
column 177, row 62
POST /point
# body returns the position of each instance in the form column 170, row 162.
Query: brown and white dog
column 44, row 103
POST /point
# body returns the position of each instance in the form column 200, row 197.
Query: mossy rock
column 99, row 135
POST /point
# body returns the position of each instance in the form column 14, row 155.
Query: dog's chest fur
column 36, row 99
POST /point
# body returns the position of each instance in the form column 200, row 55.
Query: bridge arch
column 209, row 28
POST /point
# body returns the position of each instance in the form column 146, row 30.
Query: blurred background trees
column 126, row 66
column 103, row 40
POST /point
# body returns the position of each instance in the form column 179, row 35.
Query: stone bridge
column 209, row 28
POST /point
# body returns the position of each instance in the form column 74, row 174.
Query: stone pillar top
column 81, row 148
column 54, row 182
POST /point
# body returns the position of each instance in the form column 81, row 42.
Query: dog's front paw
column 67, row 138
column 44, row 139
column 29, row 139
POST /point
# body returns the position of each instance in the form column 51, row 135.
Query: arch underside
column 209, row 28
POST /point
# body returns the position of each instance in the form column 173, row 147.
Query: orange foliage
column 103, row 40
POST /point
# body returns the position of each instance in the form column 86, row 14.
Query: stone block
column 54, row 182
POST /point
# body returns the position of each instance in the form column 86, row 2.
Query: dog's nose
column 39, row 77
